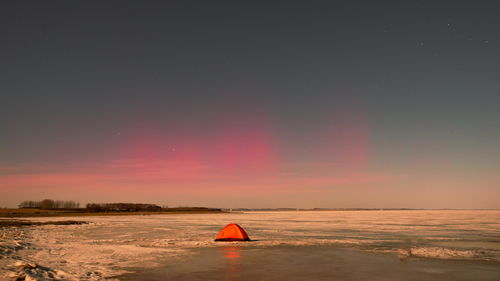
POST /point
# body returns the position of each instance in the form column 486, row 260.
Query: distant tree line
column 122, row 207
column 50, row 204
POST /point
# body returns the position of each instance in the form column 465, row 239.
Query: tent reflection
column 231, row 252
column 233, row 263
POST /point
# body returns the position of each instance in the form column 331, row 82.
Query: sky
column 256, row 104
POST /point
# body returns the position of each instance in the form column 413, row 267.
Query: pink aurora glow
column 238, row 154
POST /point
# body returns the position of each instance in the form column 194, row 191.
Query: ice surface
column 110, row 246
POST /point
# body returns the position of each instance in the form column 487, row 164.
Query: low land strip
column 28, row 212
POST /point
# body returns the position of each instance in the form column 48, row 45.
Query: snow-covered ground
column 110, row 246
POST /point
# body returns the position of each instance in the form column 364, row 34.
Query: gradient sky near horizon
column 303, row 104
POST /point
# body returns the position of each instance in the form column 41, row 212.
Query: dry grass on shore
column 17, row 213
column 10, row 223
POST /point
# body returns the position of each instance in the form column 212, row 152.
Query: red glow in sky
column 239, row 155
column 237, row 162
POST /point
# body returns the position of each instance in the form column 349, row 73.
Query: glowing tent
column 232, row 232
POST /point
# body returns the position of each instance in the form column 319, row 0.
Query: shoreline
column 27, row 213
column 19, row 223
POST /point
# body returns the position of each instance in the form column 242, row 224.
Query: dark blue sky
column 395, row 98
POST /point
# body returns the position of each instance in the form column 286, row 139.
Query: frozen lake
column 405, row 245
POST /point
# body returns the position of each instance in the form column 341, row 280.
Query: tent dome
column 232, row 232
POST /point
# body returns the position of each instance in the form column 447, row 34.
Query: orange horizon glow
column 242, row 156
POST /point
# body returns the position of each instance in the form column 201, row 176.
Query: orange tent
column 232, row 232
